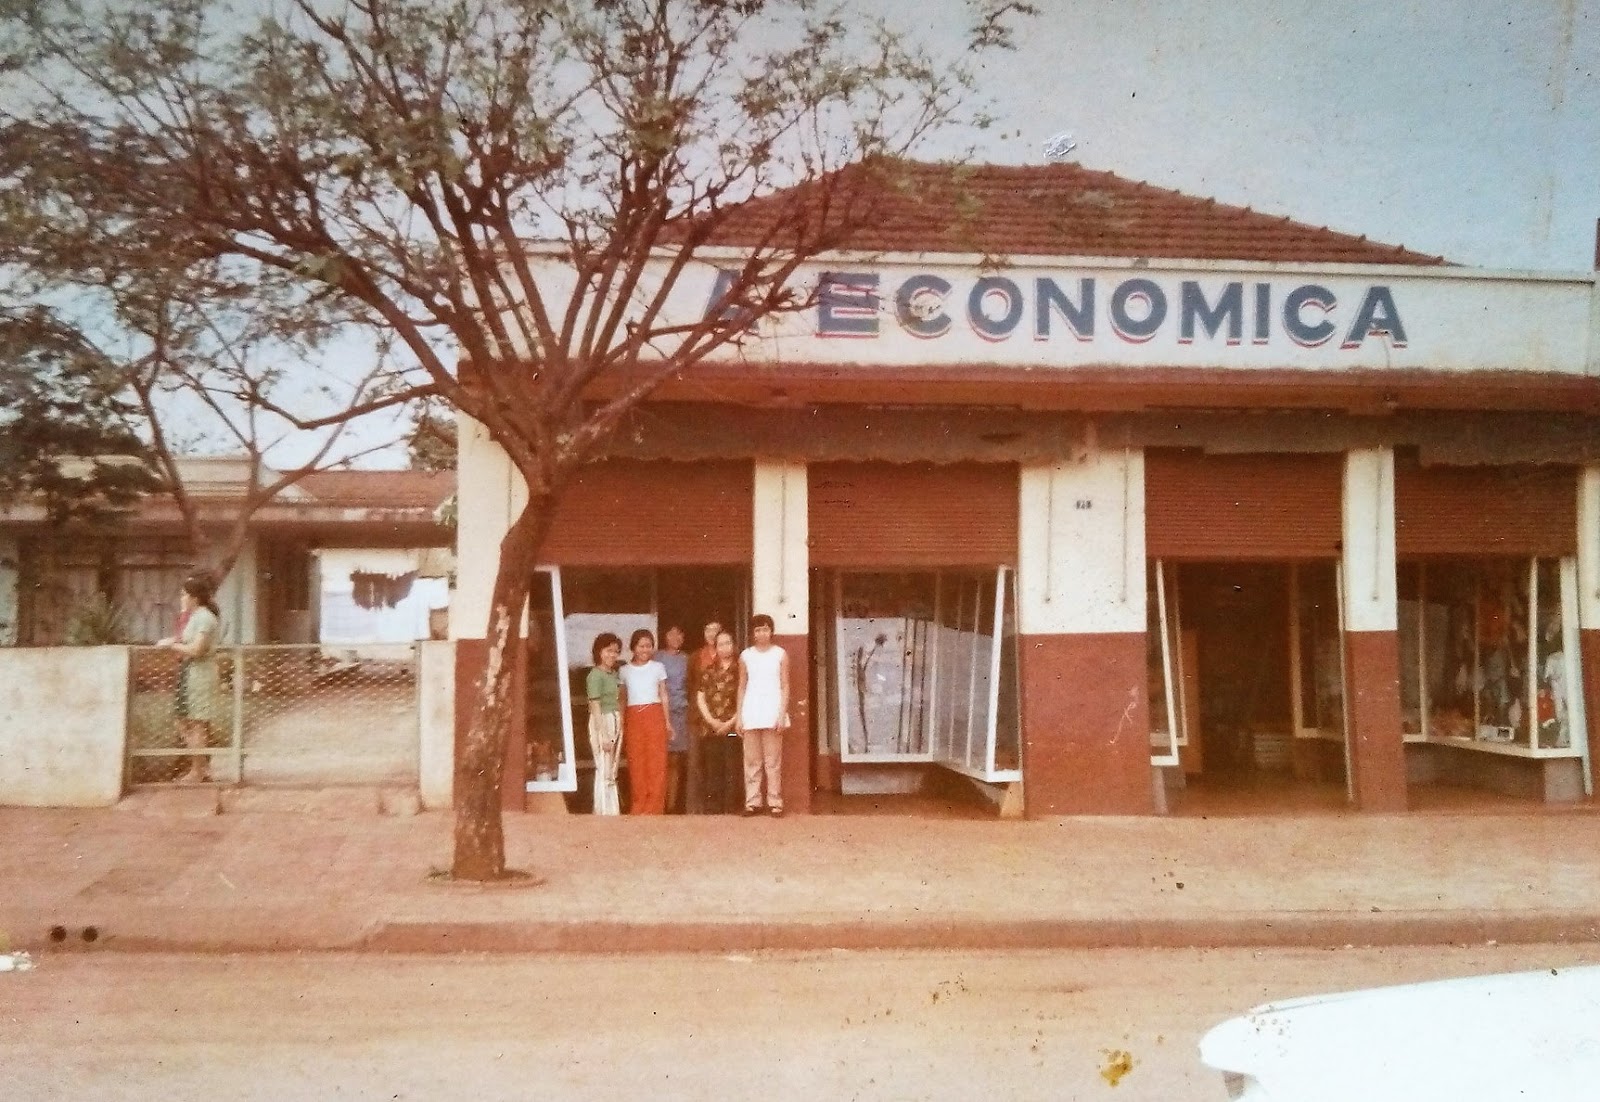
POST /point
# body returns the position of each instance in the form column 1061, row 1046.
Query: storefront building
column 1107, row 491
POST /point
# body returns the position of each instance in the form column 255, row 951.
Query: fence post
column 238, row 713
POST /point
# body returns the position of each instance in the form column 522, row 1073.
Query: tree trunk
column 480, row 850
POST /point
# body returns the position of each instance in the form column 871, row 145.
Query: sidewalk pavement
column 166, row 873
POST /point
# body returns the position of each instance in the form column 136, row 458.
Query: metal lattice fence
column 276, row 715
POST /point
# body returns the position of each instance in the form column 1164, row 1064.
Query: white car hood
column 1526, row 1036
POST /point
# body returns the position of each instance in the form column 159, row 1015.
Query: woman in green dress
column 605, row 721
column 199, row 683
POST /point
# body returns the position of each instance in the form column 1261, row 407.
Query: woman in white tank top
column 763, row 715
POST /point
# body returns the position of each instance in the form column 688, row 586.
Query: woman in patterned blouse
column 717, row 698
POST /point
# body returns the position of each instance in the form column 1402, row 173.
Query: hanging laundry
column 373, row 590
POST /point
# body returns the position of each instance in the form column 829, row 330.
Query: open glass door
column 922, row 672
column 552, row 763
column 1164, row 660
column 975, row 689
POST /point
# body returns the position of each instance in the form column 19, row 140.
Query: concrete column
column 1372, row 642
column 436, row 723
column 1589, row 607
column 483, row 515
column 781, row 588
column 1081, row 619
column 485, row 487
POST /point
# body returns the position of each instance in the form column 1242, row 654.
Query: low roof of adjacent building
column 380, row 489
column 226, row 477
column 1043, row 210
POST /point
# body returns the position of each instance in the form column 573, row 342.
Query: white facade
column 1080, row 553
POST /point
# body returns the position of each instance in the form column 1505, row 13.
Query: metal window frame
column 566, row 779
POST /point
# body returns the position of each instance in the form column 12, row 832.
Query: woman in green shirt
column 605, row 721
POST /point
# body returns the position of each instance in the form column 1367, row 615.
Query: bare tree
column 171, row 351
column 511, row 189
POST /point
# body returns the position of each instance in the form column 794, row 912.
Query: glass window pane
column 547, row 734
column 884, row 651
column 1155, row 664
column 1409, row 578
column 1502, row 650
column 1450, row 637
column 983, row 643
column 1008, row 721
column 1551, row 700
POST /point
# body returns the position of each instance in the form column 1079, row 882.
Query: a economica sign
column 1137, row 309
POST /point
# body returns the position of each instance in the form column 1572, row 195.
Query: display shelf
column 1506, row 749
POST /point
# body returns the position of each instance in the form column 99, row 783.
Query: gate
column 290, row 715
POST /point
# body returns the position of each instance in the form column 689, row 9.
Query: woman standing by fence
column 199, row 682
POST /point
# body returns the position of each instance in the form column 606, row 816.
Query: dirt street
column 803, row 1026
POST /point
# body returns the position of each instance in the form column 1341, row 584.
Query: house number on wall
column 1083, row 503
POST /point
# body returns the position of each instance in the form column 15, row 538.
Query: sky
column 1463, row 128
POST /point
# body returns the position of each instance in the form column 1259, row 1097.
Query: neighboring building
column 281, row 589
column 1076, row 482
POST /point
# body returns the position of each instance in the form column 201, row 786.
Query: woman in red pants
column 645, row 729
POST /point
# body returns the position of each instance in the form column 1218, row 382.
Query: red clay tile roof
column 379, row 489
column 1052, row 210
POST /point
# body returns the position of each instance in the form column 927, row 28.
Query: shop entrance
column 569, row 607
column 691, row 597
column 1247, row 677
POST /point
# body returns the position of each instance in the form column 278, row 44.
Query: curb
column 1246, row 932
column 1276, row 931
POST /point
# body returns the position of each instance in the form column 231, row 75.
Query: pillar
column 1376, row 757
column 1081, row 624
column 485, row 492
column 1589, row 608
column 781, row 588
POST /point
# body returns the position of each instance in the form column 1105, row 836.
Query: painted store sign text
column 997, row 307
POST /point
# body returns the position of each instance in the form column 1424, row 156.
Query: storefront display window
column 920, row 674
column 1552, row 717
column 1485, row 652
column 885, row 631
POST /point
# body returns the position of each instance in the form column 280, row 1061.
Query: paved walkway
column 167, row 874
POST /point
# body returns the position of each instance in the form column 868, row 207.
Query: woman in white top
column 645, row 728
column 763, row 716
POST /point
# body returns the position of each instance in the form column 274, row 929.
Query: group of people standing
column 736, row 707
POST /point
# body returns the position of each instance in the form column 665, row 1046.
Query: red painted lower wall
column 1589, row 650
column 1085, row 725
column 797, row 743
column 1377, row 745
column 472, row 658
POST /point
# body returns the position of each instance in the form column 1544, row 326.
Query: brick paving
column 167, row 873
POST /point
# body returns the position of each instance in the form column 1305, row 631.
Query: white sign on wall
column 1172, row 314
